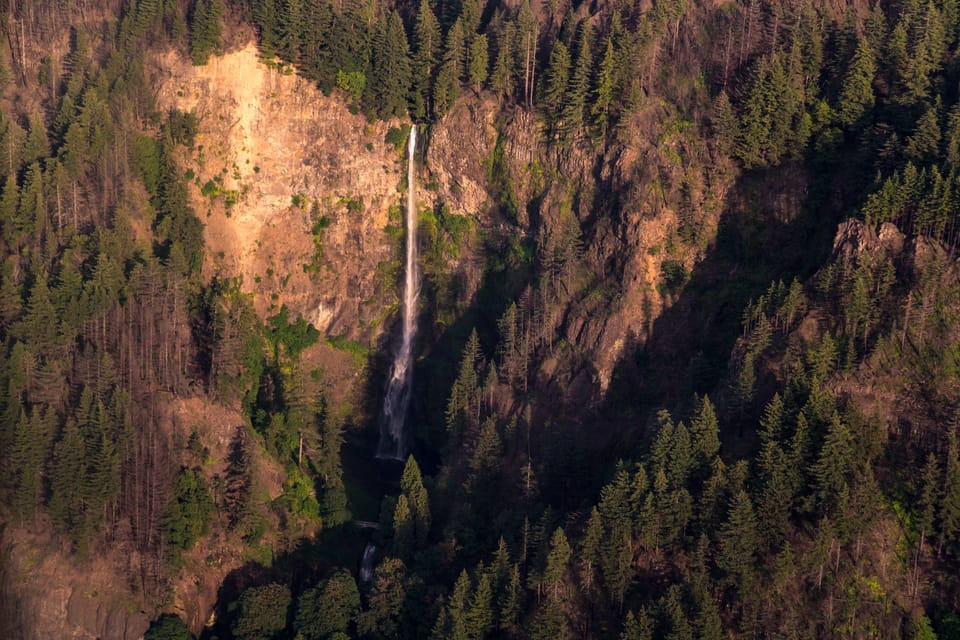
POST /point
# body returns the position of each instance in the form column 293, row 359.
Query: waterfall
column 366, row 564
column 393, row 445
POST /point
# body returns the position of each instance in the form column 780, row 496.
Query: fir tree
column 427, row 46
column 479, row 62
column 555, row 83
column 578, row 88
column 604, row 93
column 856, row 94
column 738, row 539
column 411, row 486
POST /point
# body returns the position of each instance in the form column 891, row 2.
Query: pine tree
column 672, row 613
column 32, row 211
column 950, row 500
column 427, row 46
column 479, row 62
column 263, row 612
column 388, row 78
column 446, row 90
column 590, row 549
column 456, row 611
column 738, row 539
column 411, row 486
column 511, row 601
column 777, row 494
column 924, row 145
column 578, row 88
column 37, row 145
column 928, row 499
column 292, row 29
column 385, row 601
column 637, row 628
column 557, row 560
column 479, row 616
column 236, row 494
column 205, row 27
column 856, row 94
column 555, row 82
column 833, row 466
column 329, row 608
column 38, row 327
column 30, row 445
column 267, row 16
column 501, row 79
column 604, row 93
column 404, row 529
column 12, row 138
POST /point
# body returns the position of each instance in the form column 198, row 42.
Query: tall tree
column 738, row 539
column 856, row 94
column 411, row 486
column 479, row 66
column 427, row 47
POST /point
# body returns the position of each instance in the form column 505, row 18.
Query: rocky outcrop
column 46, row 594
column 854, row 238
column 459, row 152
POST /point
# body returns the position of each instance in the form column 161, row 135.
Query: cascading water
column 366, row 564
column 393, row 445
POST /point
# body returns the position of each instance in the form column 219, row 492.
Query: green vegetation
column 792, row 469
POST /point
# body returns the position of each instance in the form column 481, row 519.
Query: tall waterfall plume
column 393, row 443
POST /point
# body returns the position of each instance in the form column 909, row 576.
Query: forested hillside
column 689, row 363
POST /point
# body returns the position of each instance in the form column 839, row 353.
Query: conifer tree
column 511, row 601
column 266, row 14
column 329, row 608
column 705, row 434
column 37, row 145
column 637, row 628
column 205, row 27
column 456, row 611
column 555, row 81
column 501, row 78
column 578, row 88
column 924, row 145
column 929, row 498
column 447, row 87
column 292, row 29
column 832, row 469
column 385, row 601
column 604, row 91
column 557, row 560
column 388, row 78
column 738, row 539
column 404, row 529
column 590, row 549
column 427, row 47
column 950, row 497
column 411, row 486
column 479, row 62
column 856, row 94
column 479, row 616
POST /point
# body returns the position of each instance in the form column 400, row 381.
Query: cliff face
column 278, row 163
column 45, row 594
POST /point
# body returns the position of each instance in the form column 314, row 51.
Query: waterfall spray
column 393, row 445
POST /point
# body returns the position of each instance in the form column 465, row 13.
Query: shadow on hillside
column 439, row 349
column 774, row 227
column 300, row 568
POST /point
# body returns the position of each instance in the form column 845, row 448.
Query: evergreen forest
column 688, row 370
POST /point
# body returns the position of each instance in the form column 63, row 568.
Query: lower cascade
column 393, row 444
column 366, row 564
